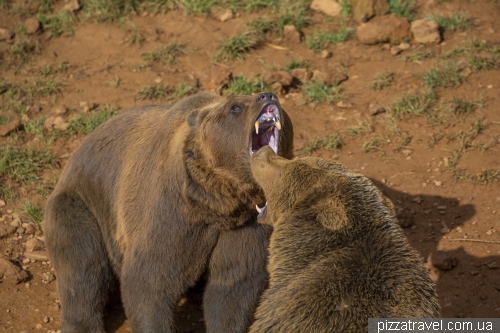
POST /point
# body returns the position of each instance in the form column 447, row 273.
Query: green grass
column 321, row 39
column 21, row 52
column 153, row 92
column 382, row 80
column 59, row 24
column 4, row 119
column 459, row 21
column 7, row 193
column 243, row 86
column 235, row 47
column 346, row 8
column 418, row 57
column 405, row 8
column 446, row 75
column 417, row 104
column 45, row 6
column 34, row 126
column 478, row 63
column 34, row 213
column 166, row 54
column 134, row 36
column 296, row 64
column 85, row 125
column 197, row 7
column 294, row 13
column 318, row 92
column 363, row 128
column 182, row 90
column 24, row 165
column 332, row 142
column 461, row 107
column 373, row 144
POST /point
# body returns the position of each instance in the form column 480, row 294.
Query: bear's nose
column 266, row 97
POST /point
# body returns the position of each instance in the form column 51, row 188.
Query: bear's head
column 316, row 189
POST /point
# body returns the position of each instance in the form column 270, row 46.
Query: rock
column 489, row 232
column 6, row 34
column 281, row 77
column 34, row 244
column 343, row 104
column 383, row 29
column 48, row 277
column 2, row 203
column 49, row 123
column 277, row 89
column 426, row 31
column 418, row 199
column 328, row 7
column 376, row 109
column 16, row 222
column 20, row 231
column 493, row 265
column 11, row 273
column 87, row 106
column 37, row 255
column 30, row 229
column 291, row 33
column 404, row 46
column 328, row 78
column 6, row 231
column 72, row 5
column 405, row 219
column 301, row 74
column 215, row 78
column 60, row 124
column 395, row 50
column 325, row 54
column 363, row 10
column 437, row 182
column 60, row 110
column 442, row 261
column 224, row 15
column 6, row 129
column 46, row 319
column 32, row 26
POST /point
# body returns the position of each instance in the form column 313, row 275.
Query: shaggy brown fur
column 155, row 197
column 337, row 254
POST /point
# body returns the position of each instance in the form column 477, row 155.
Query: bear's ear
column 332, row 213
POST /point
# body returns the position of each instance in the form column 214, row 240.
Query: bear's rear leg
column 79, row 257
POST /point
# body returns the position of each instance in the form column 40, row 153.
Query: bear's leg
column 237, row 277
column 79, row 257
column 158, row 268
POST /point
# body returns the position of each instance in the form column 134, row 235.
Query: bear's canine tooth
column 257, row 124
column 278, row 124
column 258, row 209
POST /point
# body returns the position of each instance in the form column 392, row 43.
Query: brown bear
column 158, row 196
column 337, row 255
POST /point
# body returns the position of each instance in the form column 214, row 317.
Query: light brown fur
column 155, row 197
column 337, row 254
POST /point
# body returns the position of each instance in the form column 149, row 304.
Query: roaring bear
column 337, row 255
column 158, row 196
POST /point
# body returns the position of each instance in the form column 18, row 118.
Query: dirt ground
column 442, row 171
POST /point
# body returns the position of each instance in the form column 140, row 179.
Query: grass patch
column 382, row 80
column 405, row 8
column 59, row 24
column 346, row 6
column 418, row 57
column 4, row 120
column 461, row 107
column 321, row 39
column 153, row 92
column 478, row 63
column 318, row 92
column 24, row 165
column 242, row 86
column 182, row 90
column 85, row 125
column 6, row 192
column 34, row 126
column 34, row 213
column 421, row 103
column 332, row 142
column 363, row 128
column 373, row 144
column 166, row 54
column 235, row 47
column 295, row 14
column 459, row 21
column 134, row 36
column 296, row 64
column 445, row 76
column 21, row 52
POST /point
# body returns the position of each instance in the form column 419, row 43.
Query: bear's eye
column 235, row 109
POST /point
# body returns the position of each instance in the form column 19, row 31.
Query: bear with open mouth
column 337, row 255
column 158, row 196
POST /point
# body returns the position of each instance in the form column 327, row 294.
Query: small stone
column 325, row 54
column 11, row 272
column 441, row 207
column 215, row 78
column 437, row 182
column 493, row 265
column 404, row 46
column 277, row 89
column 37, row 255
column 34, row 244
column 61, row 124
column 442, row 260
column 46, row 319
column 6, row 129
column 16, row 223
column 426, row 31
column 376, row 109
column 32, row 26
column 329, row 78
column 490, row 86
column 6, row 34
column 383, row 29
column 6, row 231
column 87, row 106
column 343, row 104
column 328, row 7
column 489, row 232
column 49, row 123
column 282, row 77
column 48, row 277
column 60, row 110
column 38, row 326
column 26, row 261
column 406, row 152
column 20, row 231
column 395, row 50
column 291, row 33
column 301, row 74
column 474, row 273
column 30, row 229
column 224, row 15
column 363, row 10
column 72, row 5
column 2, row 203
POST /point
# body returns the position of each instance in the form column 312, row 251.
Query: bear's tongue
column 267, row 126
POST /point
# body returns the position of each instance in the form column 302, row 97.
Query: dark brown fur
column 337, row 254
column 155, row 197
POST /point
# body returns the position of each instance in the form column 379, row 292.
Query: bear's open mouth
column 267, row 127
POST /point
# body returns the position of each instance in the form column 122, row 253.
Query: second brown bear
column 337, row 254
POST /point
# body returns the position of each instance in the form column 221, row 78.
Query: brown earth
column 448, row 219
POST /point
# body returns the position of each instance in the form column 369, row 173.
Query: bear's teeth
column 258, row 209
column 257, row 124
column 278, row 124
